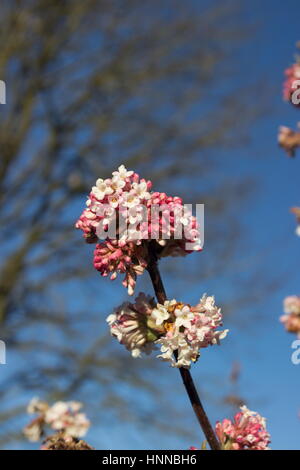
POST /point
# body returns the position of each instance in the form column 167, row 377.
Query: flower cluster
column 109, row 198
column 180, row 330
column 62, row 416
column 291, row 83
column 291, row 317
column 123, row 215
column 112, row 257
column 246, row 432
column 132, row 326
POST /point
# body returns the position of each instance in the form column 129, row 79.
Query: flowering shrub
column 175, row 327
column 123, row 215
column 62, row 416
column 247, row 431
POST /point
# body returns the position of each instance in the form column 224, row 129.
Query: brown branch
column 185, row 373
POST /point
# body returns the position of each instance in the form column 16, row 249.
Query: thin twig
column 185, row 373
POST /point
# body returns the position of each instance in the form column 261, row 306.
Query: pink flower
column 124, row 216
column 246, row 432
column 292, row 84
column 289, row 140
column 112, row 257
column 167, row 214
column 291, row 318
column 88, row 222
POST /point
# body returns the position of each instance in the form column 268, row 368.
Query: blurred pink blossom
column 61, row 416
column 291, row 317
column 291, row 83
column 247, row 431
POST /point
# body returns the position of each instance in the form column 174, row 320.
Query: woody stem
column 185, row 373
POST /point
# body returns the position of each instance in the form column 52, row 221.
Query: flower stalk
column 187, row 379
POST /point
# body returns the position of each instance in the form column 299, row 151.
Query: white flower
column 141, row 190
column 109, row 215
column 184, row 316
column 122, row 172
column 55, row 412
column 37, row 406
column 111, row 318
column 117, row 183
column 252, row 414
column 160, row 314
column 184, row 220
column 131, row 200
column 90, row 215
column 170, row 303
column 137, row 214
column 190, row 329
column 78, row 426
column 292, row 305
column 178, row 342
column 115, row 201
column 64, row 416
column 186, row 354
column 168, row 346
column 102, row 189
column 129, row 325
column 208, row 302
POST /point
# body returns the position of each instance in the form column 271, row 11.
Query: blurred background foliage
column 91, row 85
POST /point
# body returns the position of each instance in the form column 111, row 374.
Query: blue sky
column 269, row 381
